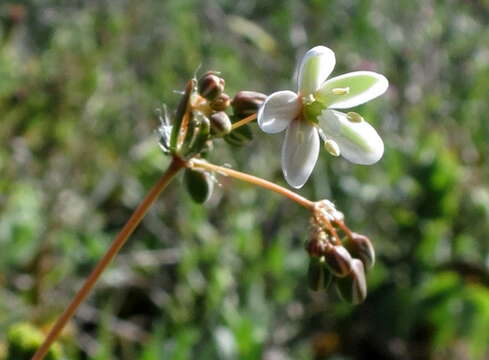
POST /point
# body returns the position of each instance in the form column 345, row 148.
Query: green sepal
column 318, row 275
column 181, row 109
column 198, row 185
column 197, row 135
column 240, row 136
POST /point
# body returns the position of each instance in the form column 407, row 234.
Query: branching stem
column 176, row 165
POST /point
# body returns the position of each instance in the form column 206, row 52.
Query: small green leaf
column 197, row 135
column 239, row 136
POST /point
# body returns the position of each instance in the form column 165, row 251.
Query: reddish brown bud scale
column 210, row 86
column 338, row 260
column 361, row 247
column 246, row 103
column 220, row 123
column 316, row 247
column 221, row 103
column 353, row 288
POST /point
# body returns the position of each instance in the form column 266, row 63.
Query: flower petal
column 300, row 152
column 358, row 140
column 315, row 67
column 278, row 110
column 362, row 86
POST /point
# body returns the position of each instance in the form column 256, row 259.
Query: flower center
column 311, row 108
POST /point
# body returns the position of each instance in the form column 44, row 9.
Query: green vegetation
column 79, row 85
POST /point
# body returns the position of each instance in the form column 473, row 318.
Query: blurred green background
column 79, row 85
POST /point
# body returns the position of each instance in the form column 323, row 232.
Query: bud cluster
column 244, row 104
column 202, row 116
column 214, row 102
column 340, row 259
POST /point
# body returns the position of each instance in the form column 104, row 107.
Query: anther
column 341, row 91
column 332, row 147
column 309, row 99
column 354, row 117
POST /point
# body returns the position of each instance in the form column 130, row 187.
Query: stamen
column 309, row 99
column 354, row 117
column 332, row 147
column 301, row 136
column 341, row 91
column 321, row 133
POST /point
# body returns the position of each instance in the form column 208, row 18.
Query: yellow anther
column 332, row 147
column 354, row 117
column 341, row 91
column 309, row 99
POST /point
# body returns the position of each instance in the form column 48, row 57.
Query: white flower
column 309, row 116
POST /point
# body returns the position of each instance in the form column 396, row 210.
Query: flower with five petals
column 310, row 116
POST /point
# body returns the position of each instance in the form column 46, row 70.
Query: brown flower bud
column 210, row 86
column 338, row 260
column 220, row 124
column 353, row 288
column 221, row 103
column 317, row 244
column 361, row 247
column 246, row 103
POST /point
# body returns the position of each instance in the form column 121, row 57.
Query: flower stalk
column 244, row 121
column 202, row 164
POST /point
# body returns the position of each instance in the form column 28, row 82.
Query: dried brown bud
column 361, row 247
column 221, row 102
column 353, row 288
column 246, row 103
column 210, row 86
column 338, row 260
column 317, row 245
column 220, row 124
